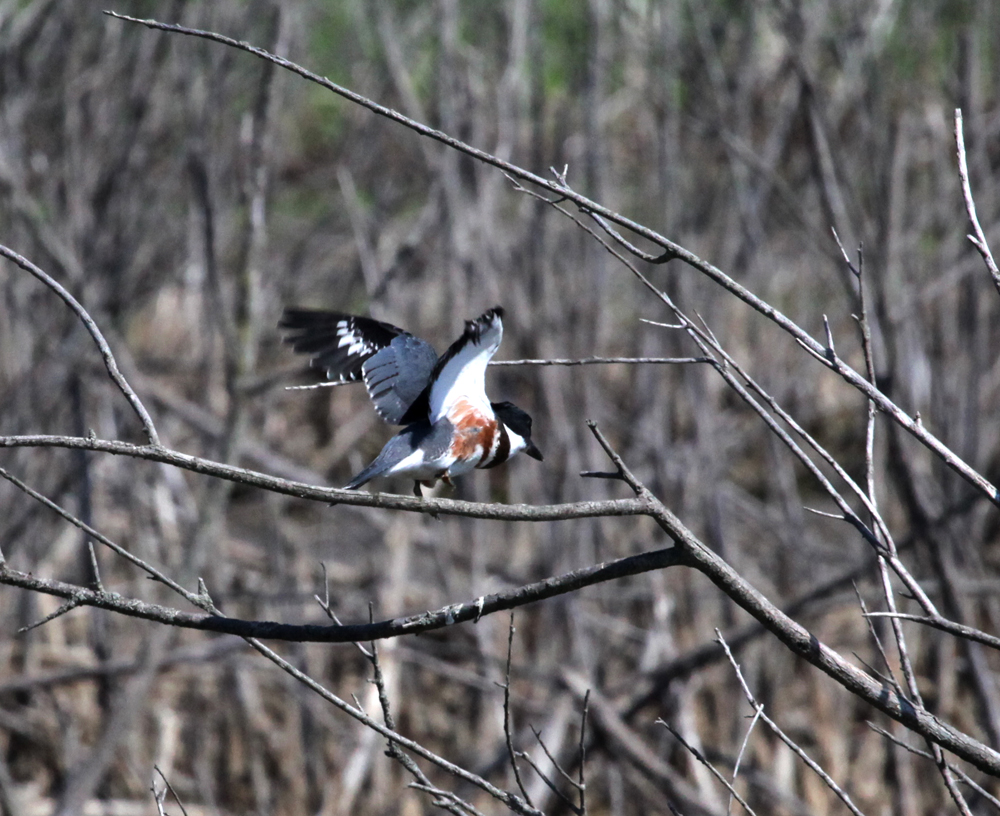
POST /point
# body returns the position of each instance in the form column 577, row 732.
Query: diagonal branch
column 944, row 625
column 978, row 238
column 102, row 344
column 690, row 551
column 563, row 193
column 511, row 800
column 349, row 633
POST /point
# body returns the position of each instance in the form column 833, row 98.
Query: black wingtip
column 474, row 328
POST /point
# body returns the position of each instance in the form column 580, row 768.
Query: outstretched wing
column 338, row 343
column 395, row 365
column 460, row 373
column 396, row 375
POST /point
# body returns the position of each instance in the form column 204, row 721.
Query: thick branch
column 349, row 633
column 332, row 495
column 807, row 645
column 690, row 551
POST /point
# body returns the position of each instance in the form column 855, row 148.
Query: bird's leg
column 447, row 480
column 419, row 494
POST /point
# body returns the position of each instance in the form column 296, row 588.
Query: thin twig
column 506, row 714
column 604, row 361
column 582, row 783
column 626, row 475
column 170, row 788
column 739, row 756
column 545, row 778
column 809, row 761
column 944, row 625
column 555, row 763
column 446, row 800
column 877, row 639
column 978, row 240
column 712, row 769
column 95, row 333
column 103, row 539
column 968, row 780
column 897, row 629
column 550, row 362
column 69, row 606
column 509, row 799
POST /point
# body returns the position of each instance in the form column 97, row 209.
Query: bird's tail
column 365, row 476
column 396, row 450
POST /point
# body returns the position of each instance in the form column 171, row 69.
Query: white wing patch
column 355, row 342
column 464, row 375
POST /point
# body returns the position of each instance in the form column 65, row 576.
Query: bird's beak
column 532, row 451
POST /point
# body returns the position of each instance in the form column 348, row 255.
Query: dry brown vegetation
column 185, row 192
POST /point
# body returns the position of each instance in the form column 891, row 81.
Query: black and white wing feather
column 338, row 343
column 395, row 366
column 460, row 373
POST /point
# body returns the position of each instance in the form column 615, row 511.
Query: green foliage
column 336, row 42
column 566, row 39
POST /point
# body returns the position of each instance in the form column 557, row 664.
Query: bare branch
column 591, row 207
column 944, row 625
column 511, row 754
column 968, row 780
column 604, row 361
column 552, row 362
column 331, row 495
column 813, row 765
column 712, row 769
column 95, row 333
column 349, row 633
column 978, row 239
column 509, row 799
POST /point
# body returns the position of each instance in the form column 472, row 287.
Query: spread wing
column 460, row 373
column 395, row 365
column 396, row 375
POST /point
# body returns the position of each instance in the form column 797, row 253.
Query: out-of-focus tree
column 186, row 192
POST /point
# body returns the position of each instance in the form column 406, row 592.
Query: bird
column 450, row 425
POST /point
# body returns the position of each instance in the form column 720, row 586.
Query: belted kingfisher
column 451, row 425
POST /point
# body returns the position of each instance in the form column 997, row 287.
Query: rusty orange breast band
column 474, row 431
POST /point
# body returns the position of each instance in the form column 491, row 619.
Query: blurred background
column 186, row 193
